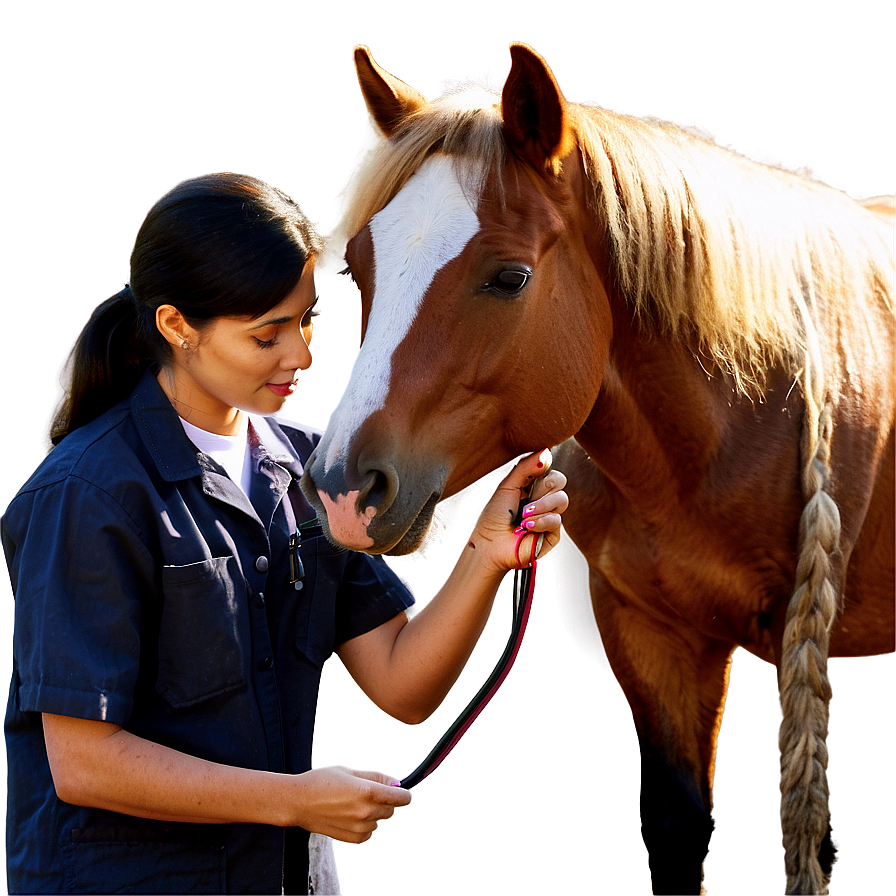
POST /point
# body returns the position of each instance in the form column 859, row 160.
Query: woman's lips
column 283, row 389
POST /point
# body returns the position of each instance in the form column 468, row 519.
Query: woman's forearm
column 408, row 666
column 434, row 646
column 101, row 765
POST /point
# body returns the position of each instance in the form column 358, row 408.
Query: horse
column 709, row 342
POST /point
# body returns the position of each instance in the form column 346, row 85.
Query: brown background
column 106, row 104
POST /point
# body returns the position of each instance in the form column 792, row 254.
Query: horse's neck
column 661, row 425
column 664, row 421
column 636, row 438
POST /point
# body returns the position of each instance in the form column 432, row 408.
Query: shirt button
column 266, row 664
column 261, row 564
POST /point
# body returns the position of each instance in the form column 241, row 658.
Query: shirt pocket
column 201, row 637
column 316, row 620
column 141, row 860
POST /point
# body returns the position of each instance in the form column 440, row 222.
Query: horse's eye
column 510, row 281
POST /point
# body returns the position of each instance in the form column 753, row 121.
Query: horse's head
column 475, row 266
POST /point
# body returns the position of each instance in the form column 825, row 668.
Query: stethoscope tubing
column 523, row 590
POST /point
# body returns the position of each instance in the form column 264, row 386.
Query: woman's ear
column 174, row 327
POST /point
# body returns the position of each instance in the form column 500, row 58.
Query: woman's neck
column 225, row 421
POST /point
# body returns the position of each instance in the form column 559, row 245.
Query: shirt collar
column 174, row 454
column 277, row 446
column 160, row 429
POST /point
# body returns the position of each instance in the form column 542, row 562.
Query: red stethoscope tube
column 523, row 589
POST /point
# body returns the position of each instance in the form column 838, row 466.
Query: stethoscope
column 523, row 590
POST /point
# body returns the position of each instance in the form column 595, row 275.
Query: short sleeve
column 80, row 574
column 370, row 594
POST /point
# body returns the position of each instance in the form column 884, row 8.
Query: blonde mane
column 707, row 245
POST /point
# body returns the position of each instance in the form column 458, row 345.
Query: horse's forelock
column 464, row 124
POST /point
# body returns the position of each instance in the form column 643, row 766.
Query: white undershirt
column 231, row 452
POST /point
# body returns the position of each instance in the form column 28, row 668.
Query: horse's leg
column 675, row 681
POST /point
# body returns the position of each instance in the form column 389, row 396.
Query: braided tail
column 804, row 686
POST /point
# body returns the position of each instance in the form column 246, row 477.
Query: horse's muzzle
column 379, row 510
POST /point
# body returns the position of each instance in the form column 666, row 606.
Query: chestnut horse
column 711, row 339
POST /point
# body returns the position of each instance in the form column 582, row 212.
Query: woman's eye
column 310, row 314
column 264, row 343
column 309, row 324
column 510, row 281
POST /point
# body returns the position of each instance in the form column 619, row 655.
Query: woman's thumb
column 376, row 777
column 530, row 467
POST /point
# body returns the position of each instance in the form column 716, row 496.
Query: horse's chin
column 417, row 531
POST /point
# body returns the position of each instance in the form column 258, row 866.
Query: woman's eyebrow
column 272, row 321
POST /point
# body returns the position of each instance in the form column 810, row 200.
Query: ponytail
column 116, row 345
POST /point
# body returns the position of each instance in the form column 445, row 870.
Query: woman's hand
column 495, row 533
column 345, row 804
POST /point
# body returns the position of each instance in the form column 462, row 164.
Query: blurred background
column 107, row 105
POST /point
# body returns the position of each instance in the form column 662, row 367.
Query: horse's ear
column 536, row 126
column 389, row 100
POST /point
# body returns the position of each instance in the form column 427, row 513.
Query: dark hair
column 215, row 246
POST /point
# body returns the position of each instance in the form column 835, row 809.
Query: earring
column 184, row 344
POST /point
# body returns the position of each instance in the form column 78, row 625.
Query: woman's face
column 242, row 363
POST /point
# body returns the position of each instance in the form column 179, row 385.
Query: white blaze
column 424, row 227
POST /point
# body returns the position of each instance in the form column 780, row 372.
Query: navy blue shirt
column 151, row 593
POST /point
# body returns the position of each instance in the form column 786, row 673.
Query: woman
column 173, row 607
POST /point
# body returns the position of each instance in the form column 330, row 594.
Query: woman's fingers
column 550, row 482
column 546, row 509
column 506, row 542
column 543, row 514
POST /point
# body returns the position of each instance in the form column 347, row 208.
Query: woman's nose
column 297, row 355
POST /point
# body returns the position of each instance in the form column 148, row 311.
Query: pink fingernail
column 529, row 524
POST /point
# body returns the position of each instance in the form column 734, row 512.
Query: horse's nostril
column 377, row 491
